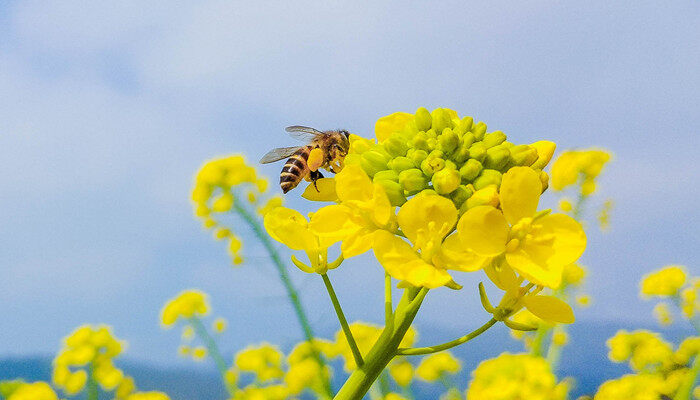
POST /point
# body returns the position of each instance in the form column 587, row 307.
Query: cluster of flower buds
column 439, row 152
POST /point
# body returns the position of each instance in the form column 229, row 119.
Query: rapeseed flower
column 582, row 166
column 29, row 391
column 638, row 387
column 187, row 304
column 365, row 335
column 537, row 245
column 304, row 370
column 264, row 360
column 148, row 396
column 664, row 282
column 645, row 350
column 402, row 372
column 515, row 376
column 436, row 366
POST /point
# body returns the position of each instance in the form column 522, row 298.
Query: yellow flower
column 538, row 247
column 690, row 301
column 148, row 396
column 664, row 282
column 574, row 164
column 437, row 365
column 219, row 325
column 199, row 353
column 264, row 360
column 187, row 304
column 385, row 126
column 425, row 220
column 574, row 274
column 363, row 210
column 33, row 391
column 637, row 387
column 394, row 396
column 402, row 372
column 645, row 350
column 272, row 203
column 515, row 376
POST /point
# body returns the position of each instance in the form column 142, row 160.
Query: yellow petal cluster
column 185, row 305
column 579, row 166
column 438, row 365
column 515, row 376
column 219, row 185
column 645, row 350
column 148, row 396
column 32, row 391
column 264, row 360
column 89, row 349
column 664, row 282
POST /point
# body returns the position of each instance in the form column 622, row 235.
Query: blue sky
column 107, row 110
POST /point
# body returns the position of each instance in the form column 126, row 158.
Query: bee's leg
column 315, row 176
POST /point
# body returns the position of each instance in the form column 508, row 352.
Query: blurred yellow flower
column 515, row 376
column 304, row 370
column 663, row 315
column 401, row 371
column 437, row 365
column 645, row 350
column 219, row 325
column 185, row 305
column 573, row 165
column 33, row 391
column 637, row 387
column 537, row 246
column 148, row 396
column 199, row 353
column 664, row 282
column 264, row 360
column 690, row 301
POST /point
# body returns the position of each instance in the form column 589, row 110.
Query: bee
column 333, row 144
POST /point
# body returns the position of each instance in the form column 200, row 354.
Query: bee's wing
column 278, row 154
column 303, row 133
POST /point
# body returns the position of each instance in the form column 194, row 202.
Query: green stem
column 538, row 343
column 448, row 345
column 212, row 350
column 384, row 350
column 554, row 351
column 292, row 293
column 384, row 383
column 343, row 322
column 92, row 390
column 686, row 388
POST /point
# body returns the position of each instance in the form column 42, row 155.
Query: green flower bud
column 477, row 151
column 479, row 130
column 448, row 141
column 488, row 177
column 461, row 154
column 544, row 178
column 388, row 175
column 461, row 194
column 470, row 170
column 436, row 154
column 423, row 119
column 466, row 123
column 431, row 133
column 373, row 162
column 468, row 139
column 394, row 192
column 420, row 141
column 413, row 180
column 497, row 157
column 396, row 145
column 418, row 156
column 523, row 155
column 432, row 143
column 494, row 139
column 409, row 130
column 459, row 131
column 431, row 165
column 441, row 120
column 449, row 164
column 446, row 180
column 428, row 192
column 399, row 164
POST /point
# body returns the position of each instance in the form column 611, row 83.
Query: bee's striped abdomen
column 295, row 169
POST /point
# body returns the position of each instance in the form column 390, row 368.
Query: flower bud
column 449, row 164
column 373, row 162
column 545, row 149
column 399, row 164
column 419, row 141
column 431, row 133
column 486, row 178
column 477, row 151
column 448, row 141
column 393, row 190
column 494, row 139
column 446, row 180
column 497, row 157
column 470, row 170
column 479, row 130
column 441, row 119
column 413, row 180
column 431, row 165
column 544, row 178
column 396, row 145
column 523, row 155
column 466, row 123
column 388, row 175
column 487, row 196
column 461, row 154
column 423, row 119
column 461, row 194
column 418, row 156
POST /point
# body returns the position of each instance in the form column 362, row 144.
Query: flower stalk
column 343, row 321
column 212, row 350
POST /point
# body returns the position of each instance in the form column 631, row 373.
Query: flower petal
column 382, row 210
column 324, row 190
column 333, row 221
column 549, row 308
column 435, row 214
column 359, row 242
column 402, row 263
column 290, row 227
column 385, row 126
column 520, row 193
column 453, row 255
column 569, row 237
column 483, row 230
column 531, row 261
column 502, row 275
column 352, row 183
